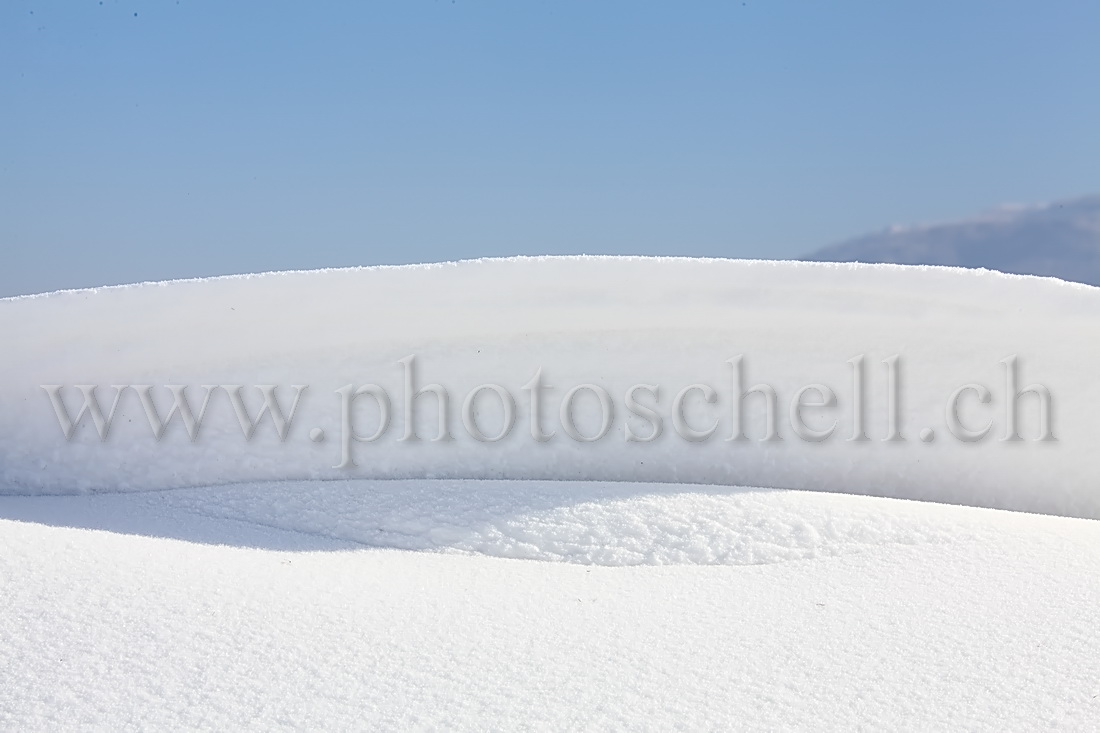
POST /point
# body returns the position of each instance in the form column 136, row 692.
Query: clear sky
column 164, row 139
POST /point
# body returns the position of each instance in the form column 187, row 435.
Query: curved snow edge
column 609, row 321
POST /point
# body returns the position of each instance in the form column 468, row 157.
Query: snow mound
column 110, row 631
column 679, row 326
column 586, row 523
column 579, row 522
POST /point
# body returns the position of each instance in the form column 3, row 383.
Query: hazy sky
column 153, row 140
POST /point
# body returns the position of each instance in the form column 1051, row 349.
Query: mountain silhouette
column 1059, row 239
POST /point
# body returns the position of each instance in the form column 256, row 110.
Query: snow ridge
column 606, row 321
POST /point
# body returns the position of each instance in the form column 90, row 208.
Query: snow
column 225, row 583
column 946, row 617
column 605, row 321
column 578, row 522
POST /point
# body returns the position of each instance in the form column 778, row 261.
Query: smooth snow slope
column 252, row 596
column 606, row 321
column 953, row 619
column 613, row 524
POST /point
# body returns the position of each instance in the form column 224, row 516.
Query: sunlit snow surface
column 578, row 522
column 224, row 584
column 610, row 321
column 189, row 609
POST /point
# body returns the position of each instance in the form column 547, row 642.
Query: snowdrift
column 944, row 618
column 641, row 367
column 609, row 524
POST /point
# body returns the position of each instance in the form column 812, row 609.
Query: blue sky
column 154, row 140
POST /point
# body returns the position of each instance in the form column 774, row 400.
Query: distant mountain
column 1060, row 239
